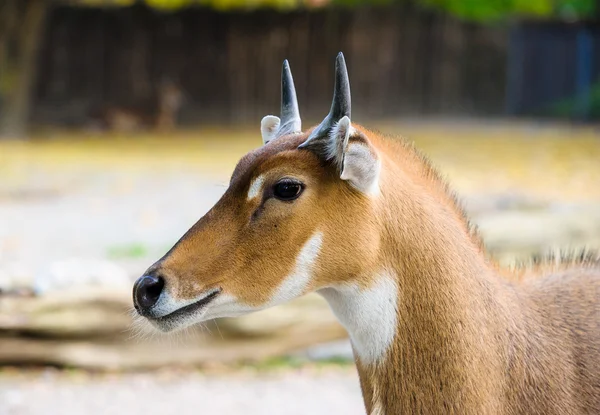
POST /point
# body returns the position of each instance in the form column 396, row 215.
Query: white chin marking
column 256, row 187
column 167, row 304
column 179, row 323
column 369, row 315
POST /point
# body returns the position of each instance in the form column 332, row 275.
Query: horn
column 340, row 106
column 290, row 115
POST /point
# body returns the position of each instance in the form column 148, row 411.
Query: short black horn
column 290, row 114
column 340, row 105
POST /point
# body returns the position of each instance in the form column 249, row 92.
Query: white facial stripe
column 256, row 187
column 294, row 285
column 369, row 316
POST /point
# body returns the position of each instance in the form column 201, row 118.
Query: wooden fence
column 554, row 70
column 402, row 61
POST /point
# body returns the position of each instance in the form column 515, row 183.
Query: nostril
column 146, row 291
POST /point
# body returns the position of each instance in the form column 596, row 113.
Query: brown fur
column 470, row 339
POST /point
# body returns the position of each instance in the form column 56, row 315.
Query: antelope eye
column 287, row 189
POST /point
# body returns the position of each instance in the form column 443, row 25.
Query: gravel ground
column 292, row 392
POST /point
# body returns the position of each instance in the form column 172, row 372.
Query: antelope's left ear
column 357, row 160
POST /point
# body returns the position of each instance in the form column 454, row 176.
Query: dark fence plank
column 554, row 70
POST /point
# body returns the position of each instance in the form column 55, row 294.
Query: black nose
column 146, row 291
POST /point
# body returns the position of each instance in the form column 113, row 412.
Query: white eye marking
column 369, row 315
column 294, row 285
column 256, row 187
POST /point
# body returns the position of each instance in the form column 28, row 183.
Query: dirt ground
column 290, row 392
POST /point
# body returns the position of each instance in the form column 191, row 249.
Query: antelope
column 364, row 220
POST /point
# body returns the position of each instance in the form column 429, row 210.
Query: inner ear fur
column 354, row 156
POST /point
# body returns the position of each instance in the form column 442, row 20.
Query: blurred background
column 121, row 121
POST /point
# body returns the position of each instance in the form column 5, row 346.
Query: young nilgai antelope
column 365, row 221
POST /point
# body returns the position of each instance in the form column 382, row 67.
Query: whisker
column 218, row 329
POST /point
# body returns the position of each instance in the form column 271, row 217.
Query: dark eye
column 287, row 190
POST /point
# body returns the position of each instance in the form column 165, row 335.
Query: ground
column 290, row 392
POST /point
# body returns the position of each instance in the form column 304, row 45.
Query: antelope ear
column 268, row 127
column 358, row 161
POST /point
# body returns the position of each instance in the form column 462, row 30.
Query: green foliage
column 573, row 9
column 569, row 107
column 478, row 10
column 111, row 3
column 486, row 10
column 173, row 5
column 169, row 4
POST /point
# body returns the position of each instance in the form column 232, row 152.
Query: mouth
column 187, row 310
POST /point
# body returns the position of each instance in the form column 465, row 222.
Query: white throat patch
column 369, row 315
column 294, row 285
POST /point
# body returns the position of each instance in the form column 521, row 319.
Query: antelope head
column 296, row 218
